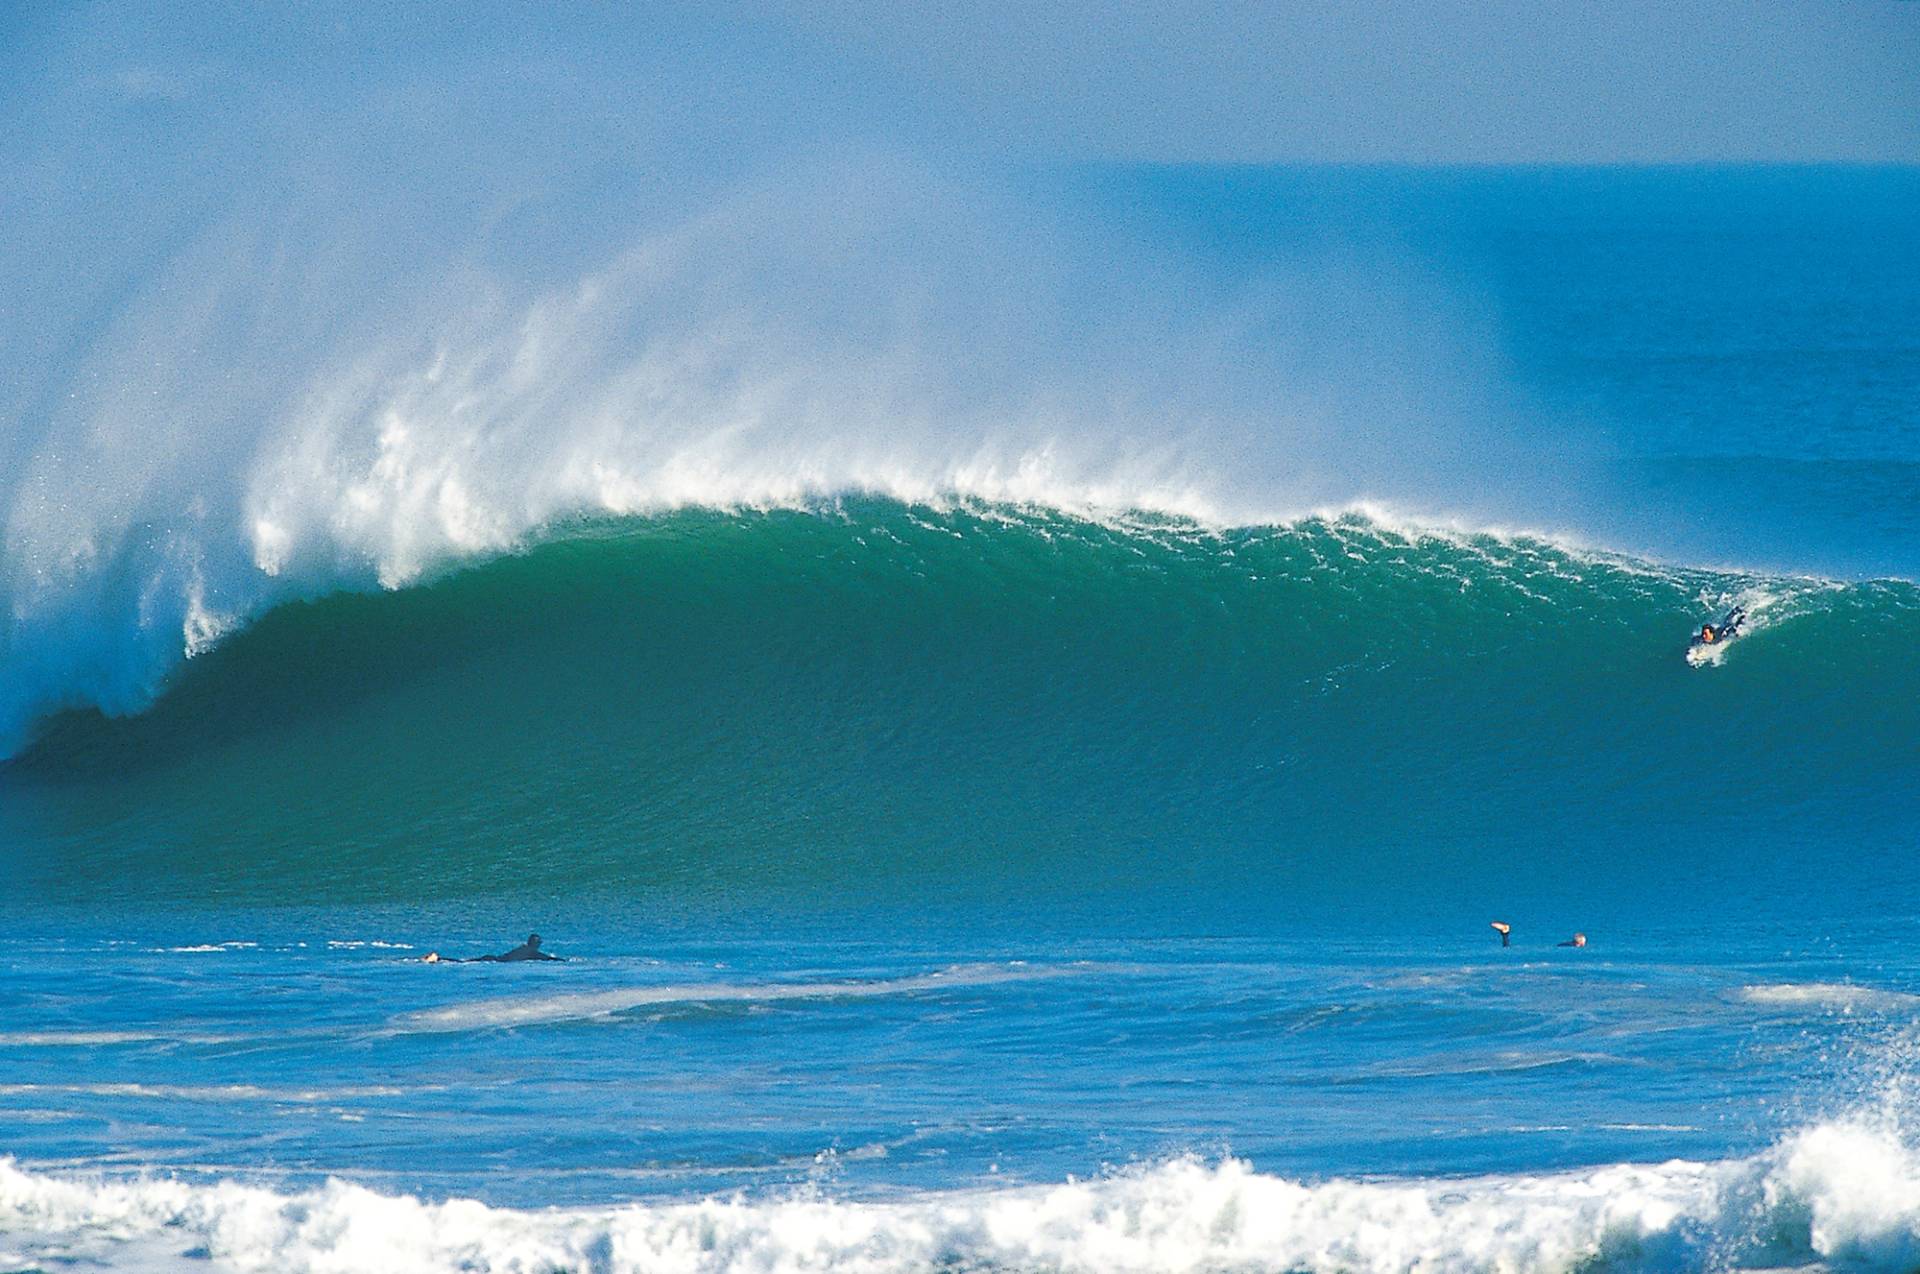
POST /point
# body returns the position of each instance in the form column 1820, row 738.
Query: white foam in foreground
column 1843, row 1194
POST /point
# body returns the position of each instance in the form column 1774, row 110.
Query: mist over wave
column 398, row 338
column 216, row 456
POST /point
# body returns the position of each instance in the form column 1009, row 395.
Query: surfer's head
column 1706, row 633
column 1579, row 939
column 533, row 940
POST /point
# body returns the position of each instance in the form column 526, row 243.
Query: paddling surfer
column 528, row 950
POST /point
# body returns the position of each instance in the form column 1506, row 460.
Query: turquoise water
column 876, row 706
column 956, row 873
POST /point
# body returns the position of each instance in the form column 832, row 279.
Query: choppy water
column 890, row 1101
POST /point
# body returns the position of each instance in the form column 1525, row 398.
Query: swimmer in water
column 1577, row 940
column 528, row 950
column 1505, row 931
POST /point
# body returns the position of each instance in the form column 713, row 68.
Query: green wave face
column 990, row 712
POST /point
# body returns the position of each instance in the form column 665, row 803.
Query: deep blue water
column 677, row 1066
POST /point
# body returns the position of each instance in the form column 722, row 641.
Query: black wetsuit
column 525, row 951
column 528, row 950
column 1714, row 634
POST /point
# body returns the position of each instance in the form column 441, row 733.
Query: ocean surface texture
column 1021, row 781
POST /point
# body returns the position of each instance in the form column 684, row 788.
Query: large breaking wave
column 901, row 697
column 318, row 375
column 209, row 460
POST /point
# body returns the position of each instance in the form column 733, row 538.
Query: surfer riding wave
column 1712, row 638
column 1726, row 630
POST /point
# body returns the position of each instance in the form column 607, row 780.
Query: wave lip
column 1845, row 1192
column 119, row 664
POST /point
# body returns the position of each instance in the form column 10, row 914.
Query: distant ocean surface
column 960, row 867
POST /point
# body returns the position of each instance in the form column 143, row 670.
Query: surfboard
column 1700, row 653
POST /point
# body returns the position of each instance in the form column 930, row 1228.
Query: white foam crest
column 96, row 1039
column 1844, row 996
column 1844, row 1193
column 611, row 398
column 211, row 1092
column 1702, row 656
column 75, row 1039
column 532, row 1010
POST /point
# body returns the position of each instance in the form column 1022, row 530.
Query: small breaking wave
column 511, row 1011
column 212, row 1092
column 1842, row 996
column 102, row 1039
column 1845, row 1193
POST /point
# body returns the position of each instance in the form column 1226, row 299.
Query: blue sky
column 1415, row 81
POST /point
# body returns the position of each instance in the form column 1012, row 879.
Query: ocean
column 1030, row 799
